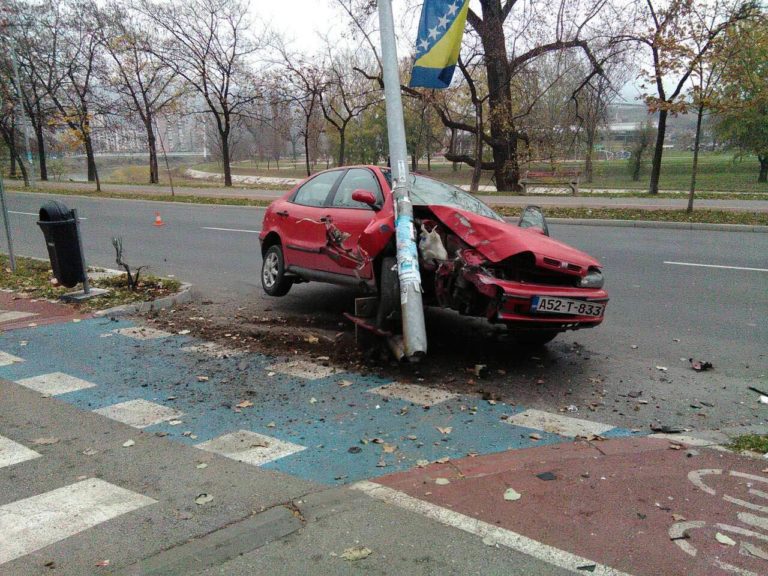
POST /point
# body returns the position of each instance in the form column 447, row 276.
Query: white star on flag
column 442, row 22
column 433, row 33
column 452, row 9
column 423, row 45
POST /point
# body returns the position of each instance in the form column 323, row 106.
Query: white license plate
column 551, row 305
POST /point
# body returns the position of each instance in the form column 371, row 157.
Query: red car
column 338, row 226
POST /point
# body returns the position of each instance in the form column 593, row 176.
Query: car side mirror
column 366, row 197
column 533, row 217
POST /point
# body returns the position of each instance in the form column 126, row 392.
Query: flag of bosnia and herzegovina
column 438, row 43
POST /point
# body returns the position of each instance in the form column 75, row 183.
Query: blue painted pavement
column 321, row 415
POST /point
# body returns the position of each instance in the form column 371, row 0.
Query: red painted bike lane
column 20, row 312
column 637, row 505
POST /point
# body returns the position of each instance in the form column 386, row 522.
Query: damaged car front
column 476, row 263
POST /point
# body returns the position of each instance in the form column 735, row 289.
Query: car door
column 304, row 218
column 352, row 217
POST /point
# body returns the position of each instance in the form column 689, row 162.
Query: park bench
column 568, row 178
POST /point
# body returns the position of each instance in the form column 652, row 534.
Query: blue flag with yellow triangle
column 439, row 41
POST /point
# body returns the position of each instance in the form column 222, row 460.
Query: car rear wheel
column 273, row 278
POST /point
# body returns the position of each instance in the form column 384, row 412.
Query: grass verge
column 750, row 442
column 33, row 279
column 699, row 216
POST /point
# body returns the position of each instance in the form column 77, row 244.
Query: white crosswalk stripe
column 558, row 424
column 8, row 359
column 12, row 452
column 139, row 413
column 39, row 521
column 55, row 383
column 250, row 447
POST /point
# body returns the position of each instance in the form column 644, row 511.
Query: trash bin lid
column 54, row 211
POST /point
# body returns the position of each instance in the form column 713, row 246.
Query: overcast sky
column 304, row 21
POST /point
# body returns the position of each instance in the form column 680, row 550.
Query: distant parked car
column 338, row 226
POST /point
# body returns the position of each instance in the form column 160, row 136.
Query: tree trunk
column 41, row 151
column 154, row 172
column 503, row 132
column 763, row 177
column 306, row 153
column 657, row 153
column 429, row 161
column 696, row 144
column 588, row 170
column 414, row 162
column 477, row 171
column 12, row 169
column 342, row 147
column 90, row 158
column 225, row 161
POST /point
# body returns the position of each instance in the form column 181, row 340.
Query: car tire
column 388, row 314
column 535, row 339
column 273, row 278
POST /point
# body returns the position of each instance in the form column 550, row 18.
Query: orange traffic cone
column 158, row 220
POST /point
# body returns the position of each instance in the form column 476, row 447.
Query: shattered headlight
column 593, row 279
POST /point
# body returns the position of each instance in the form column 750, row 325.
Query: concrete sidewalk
column 495, row 200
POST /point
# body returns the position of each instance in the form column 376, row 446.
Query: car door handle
column 282, row 213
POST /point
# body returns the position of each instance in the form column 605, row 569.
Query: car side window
column 356, row 179
column 315, row 191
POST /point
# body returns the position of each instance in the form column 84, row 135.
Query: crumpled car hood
column 497, row 240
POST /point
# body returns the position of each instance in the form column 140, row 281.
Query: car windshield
column 426, row 191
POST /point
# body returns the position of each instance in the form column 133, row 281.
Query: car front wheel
column 273, row 278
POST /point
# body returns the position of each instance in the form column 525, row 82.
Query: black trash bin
column 60, row 230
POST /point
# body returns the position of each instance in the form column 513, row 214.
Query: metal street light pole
column 414, row 332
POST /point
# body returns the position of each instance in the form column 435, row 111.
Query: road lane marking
column 250, row 447
column 8, row 359
column 717, row 266
column 55, row 383
column 12, row 452
column 413, row 393
column 35, row 214
column 557, row 424
column 34, row 523
column 231, row 230
column 139, row 413
column 488, row 532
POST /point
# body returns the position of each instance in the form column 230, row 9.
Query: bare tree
column 302, row 85
column 70, row 69
column 145, row 84
column 346, row 94
column 31, row 47
column 679, row 34
column 209, row 44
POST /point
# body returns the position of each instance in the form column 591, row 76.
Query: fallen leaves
column 442, row 481
column 45, row 441
column 444, row 430
column 700, row 365
column 203, row 499
column 512, row 495
column 244, row 404
column 356, row 553
column 128, row 443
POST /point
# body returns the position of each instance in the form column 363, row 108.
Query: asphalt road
column 667, row 302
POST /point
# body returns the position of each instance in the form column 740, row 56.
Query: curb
column 182, row 296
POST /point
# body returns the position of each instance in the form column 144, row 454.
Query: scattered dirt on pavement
column 473, row 357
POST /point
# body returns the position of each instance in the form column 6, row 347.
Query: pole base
column 80, row 296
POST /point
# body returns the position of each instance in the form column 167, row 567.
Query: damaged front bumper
column 513, row 304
